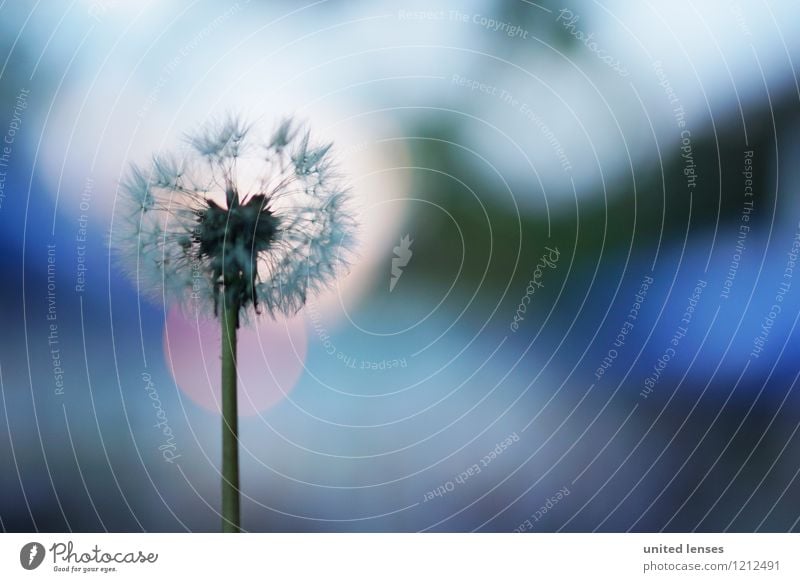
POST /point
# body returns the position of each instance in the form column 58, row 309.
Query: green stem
column 230, row 421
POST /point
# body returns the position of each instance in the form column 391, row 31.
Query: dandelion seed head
column 259, row 224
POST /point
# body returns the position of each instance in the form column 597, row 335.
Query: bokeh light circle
column 271, row 358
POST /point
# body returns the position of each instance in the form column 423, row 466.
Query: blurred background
column 593, row 210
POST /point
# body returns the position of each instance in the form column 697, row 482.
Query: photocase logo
column 402, row 256
column 31, row 555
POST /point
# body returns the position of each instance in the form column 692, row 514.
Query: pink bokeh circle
column 271, row 358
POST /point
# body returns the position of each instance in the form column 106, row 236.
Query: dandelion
column 236, row 226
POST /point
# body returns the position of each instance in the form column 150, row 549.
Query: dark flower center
column 231, row 240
